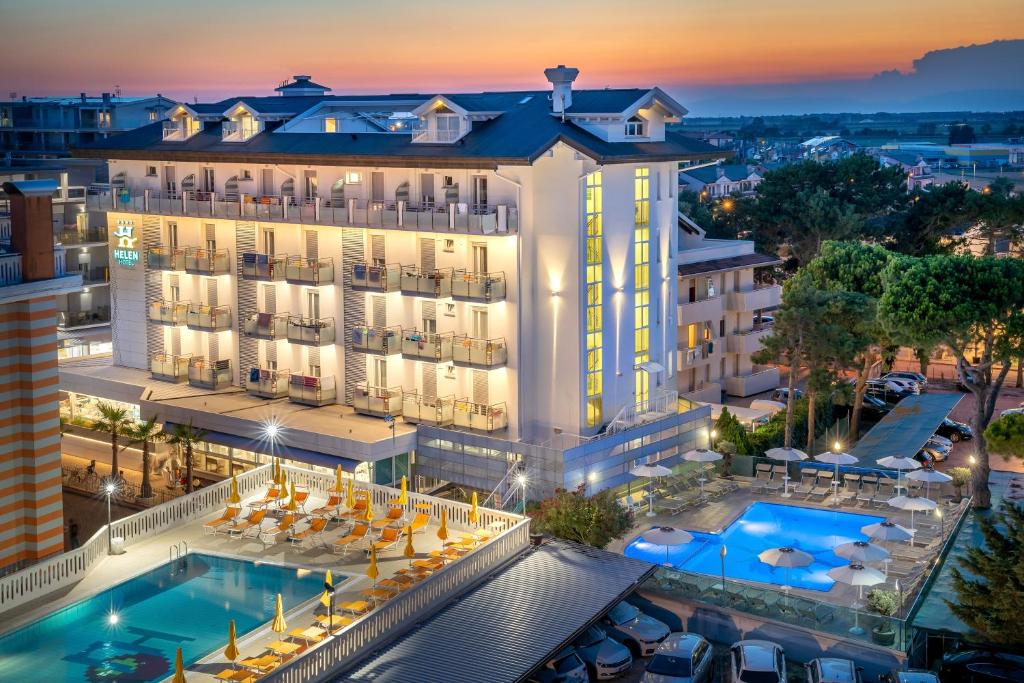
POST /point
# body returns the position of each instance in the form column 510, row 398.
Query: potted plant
column 961, row 475
column 727, row 449
column 886, row 604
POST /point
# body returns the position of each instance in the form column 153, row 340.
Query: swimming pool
column 129, row 633
column 760, row 527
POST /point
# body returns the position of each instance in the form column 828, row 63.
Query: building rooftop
column 709, row 174
column 730, row 263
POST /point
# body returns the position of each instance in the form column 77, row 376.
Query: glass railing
column 168, row 367
column 165, row 258
column 377, row 401
column 431, row 410
column 269, row 326
column 307, row 271
column 382, row 341
column 479, row 353
column 427, row 283
column 375, row 278
column 267, row 383
column 207, row 261
column 166, row 312
column 428, row 346
column 478, row 287
column 311, row 331
column 480, row 417
column 208, row 318
column 263, row 266
column 209, row 374
column 311, row 391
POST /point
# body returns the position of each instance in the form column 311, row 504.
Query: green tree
column 1005, row 436
column 592, row 520
column 989, row 583
column 147, row 432
column 961, row 134
column 185, row 437
column 974, row 307
column 729, row 429
column 924, row 226
column 116, row 422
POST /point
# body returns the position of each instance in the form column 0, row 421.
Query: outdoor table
column 355, row 606
column 377, row 594
column 238, row 675
column 338, row 621
column 283, row 648
column 311, row 634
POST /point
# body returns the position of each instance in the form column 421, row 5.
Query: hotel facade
column 467, row 287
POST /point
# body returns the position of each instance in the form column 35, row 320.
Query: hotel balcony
column 481, row 417
column 208, row 318
column 479, row 353
column 427, row 346
column 207, row 261
column 761, row 297
column 747, row 341
column 479, row 287
column 169, row 368
column 762, row 379
column 209, row 374
column 83, row 237
column 377, row 401
column 700, row 310
column 171, row 313
column 309, row 271
column 696, row 355
column 264, row 267
column 381, row 279
column 268, row 326
column 434, row 284
column 267, row 383
column 165, row 258
column 430, row 410
column 312, row 391
column 311, row 331
column 379, row 341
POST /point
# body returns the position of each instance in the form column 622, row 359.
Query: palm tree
column 185, row 436
column 117, row 422
column 147, row 432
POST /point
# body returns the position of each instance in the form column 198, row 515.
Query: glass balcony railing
column 431, row 410
column 168, row 367
column 172, row 313
column 208, row 318
column 209, row 374
column 165, row 258
column 369, row 278
column 207, row 261
column 377, row 401
column 263, row 267
column 268, row 326
column 480, row 353
column 311, row 391
column 382, row 341
column 435, row 284
column 428, row 346
column 481, row 417
column 267, row 383
column 311, row 331
column 478, row 287
column 307, row 271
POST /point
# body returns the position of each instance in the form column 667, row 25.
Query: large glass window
column 641, row 280
column 594, row 267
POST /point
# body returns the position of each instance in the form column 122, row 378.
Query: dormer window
column 440, row 122
column 635, row 127
column 182, row 125
column 447, row 127
column 330, row 125
column 241, row 125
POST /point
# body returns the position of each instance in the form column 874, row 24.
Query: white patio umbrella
column 858, row 575
column 786, row 455
column 702, row 455
column 786, row 557
column 836, row 459
column 861, row 551
column 914, row 504
column 887, row 531
column 650, row 471
column 900, row 465
column 928, row 476
column 669, row 537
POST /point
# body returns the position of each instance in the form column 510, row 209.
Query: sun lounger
column 263, row 663
column 393, row 517
column 254, row 520
column 228, row 518
column 236, row 676
column 272, row 495
column 300, row 500
column 806, row 485
column 311, row 533
column 762, row 475
column 776, row 483
column 822, row 484
column 886, row 490
column 328, row 509
column 339, row 621
column 420, row 522
column 850, row 489
column 342, row 545
column 868, row 489
column 358, row 511
column 284, row 526
column 357, row 607
column 389, row 538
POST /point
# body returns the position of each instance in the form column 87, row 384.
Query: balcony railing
column 311, row 331
column 208, row 318
column 169, row 368
column 268, row 326
column 207, row 261
column 263, row 267
column 369, row 278
column 209, row 374
column 165, row 258
column 267, row 383
column 239, row 131
column 98, row 275
column 90, row 236
column 480, row 353
column 478, row 287
column 377, row 401
column 431, row 410
column 308, row 271
column 428, row 346
column 173, row 313
column 481, row 417
column 67, row 320
column 311, row 391
column 436, row 284
column 760, row 297
column 381, row 341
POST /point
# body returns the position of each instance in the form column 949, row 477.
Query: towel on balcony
column 263, row 319
column 359, row 270
column 249, row 257
column 254, row 375
column 357, row 335
column 311, row 382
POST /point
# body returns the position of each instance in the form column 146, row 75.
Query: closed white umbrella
column 856, row 574
column 786, row 557
column 837, row 459
column 701, row 455
column 669, row 537
column 786, row 455
column 650, row 471
column 929, row 476
column 912, row 503
column 900, row 465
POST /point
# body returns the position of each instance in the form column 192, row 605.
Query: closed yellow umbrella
column 278, row 625
column 325, row 599
column 474, row 513
column 292, row 505
column 179, row 668
column 277, row 471
column 410, row 552
column 231, row 651
column 403, row 498
column 234, row 497
column 442, row 531
column 284, row 479
column 372, row 570
column 338, row 484
column 368, row 517
column 350, row 496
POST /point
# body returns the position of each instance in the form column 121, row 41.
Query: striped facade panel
column 154, row 285
column 245, row 295
column 353, row 250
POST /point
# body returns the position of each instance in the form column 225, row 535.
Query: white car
column 916, row 377
column 605, row 657
column 832, row 670
column 567, row 666
column 941, row 440
column 640, row 633
column 756, row 661
column 903, row 384
column 681, row 658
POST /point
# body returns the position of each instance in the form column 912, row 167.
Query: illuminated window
column 641, row 280
column 353, row 178
column 331, row 125
column 635, row 127
column 595, row 351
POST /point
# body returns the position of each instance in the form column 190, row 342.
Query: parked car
column 917, row 377
column 909, row 676
column 904, row 384
column 756, row 661
column 886, row 391
column 681, row 658
column 941, row 441
column 926, row 459
column 874, row 407
column 782, row 394
column 637, row 631
column 605, row 658
column 955, row 431
column 832, row 670
column 566, row 667
column 937, row 452
column 981, row 666
column 1012, row 411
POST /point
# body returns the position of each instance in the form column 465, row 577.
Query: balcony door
column 479, row 323
column 313, row 303
column 172, row 235
column 379, row 372
column 209, row 180
column 268, row 241
column 170, row 180
column 427, row 188
column 377, row 186
column 267, row 182
column 478, row 195
column 479, row 257
column 309, row 185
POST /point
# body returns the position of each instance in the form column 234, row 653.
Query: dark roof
column 905, row 158
column 601, row 101
column 730, row 263
column 301, row 83
column 504, row 628
column 905, row 429
column 709, row 174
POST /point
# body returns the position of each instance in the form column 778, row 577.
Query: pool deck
column 143, row 556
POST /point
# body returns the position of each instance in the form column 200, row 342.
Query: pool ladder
column 177, row 551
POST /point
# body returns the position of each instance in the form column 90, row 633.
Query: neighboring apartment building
column 32, row 276
column 460, row 285
column 722, row 310
column 919, row 171
column 826, row 148
column 721, row 180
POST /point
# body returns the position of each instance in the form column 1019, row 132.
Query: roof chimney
column 32, row 226
column 561, row 78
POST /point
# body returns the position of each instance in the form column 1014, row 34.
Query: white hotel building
column 498, row 272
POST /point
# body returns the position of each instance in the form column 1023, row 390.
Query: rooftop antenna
column 117, row 91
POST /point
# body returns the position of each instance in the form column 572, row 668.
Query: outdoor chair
column 357, row 511
column 284, row 526
column 822, row 484
column 393, row 517
column 313, row 532
column 254, row 520
column 868, row 489
column 330, row 508
column 228, row 518
column 850, row 489
column 777, row 483
column 886, row 490
column 762, row 476
column 806, row 485
column 342, row 545
column 389, row 538
column 420, row 522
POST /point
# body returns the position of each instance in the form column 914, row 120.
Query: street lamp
column 721, row 553
column 591, row 478
column 942, row 524
column 522, row 481
column 109, row 490
column 714, row 435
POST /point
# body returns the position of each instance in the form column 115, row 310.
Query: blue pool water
column 760, row 527
column 157, row 612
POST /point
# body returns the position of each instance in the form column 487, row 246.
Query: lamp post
column 271, row 430
column 591, row 478
column 109, row 490
column 522, row 481
column 721, row 553
column 971, row 462
column 942, row 523
column 714, row 435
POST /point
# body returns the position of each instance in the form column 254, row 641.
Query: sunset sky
column 192, row 48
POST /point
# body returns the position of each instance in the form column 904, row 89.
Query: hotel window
column 103, row 119
column 641, row 280
column 353, row 178
column 152, row 116
column 594, row 267
column 151, row 171
column 330, row 125
column 635, row 127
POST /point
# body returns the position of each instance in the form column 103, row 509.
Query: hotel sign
column 125, row 252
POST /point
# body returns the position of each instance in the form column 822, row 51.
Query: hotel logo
column 125, row 252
